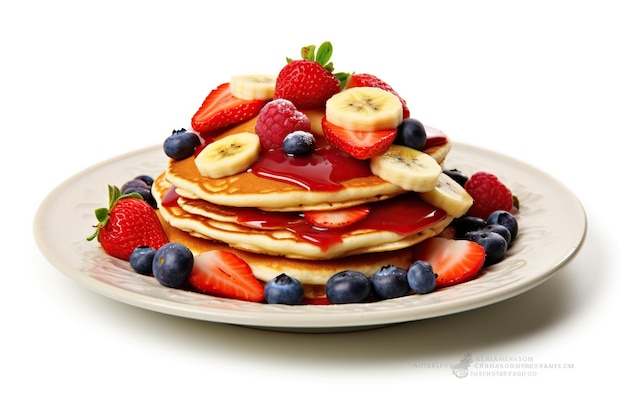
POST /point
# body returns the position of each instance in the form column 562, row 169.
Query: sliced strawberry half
column 220, row 109
column 222, row 273
column 454, row 261
column 334, row 219
column 358, row 144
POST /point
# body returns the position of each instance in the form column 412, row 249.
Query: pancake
column 309, row 273
column 248, row 189
column 292, row 237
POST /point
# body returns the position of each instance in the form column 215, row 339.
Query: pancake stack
column 261, row 213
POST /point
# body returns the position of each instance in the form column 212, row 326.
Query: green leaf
column 324, row 53
column 131, row 195
column 308, row 52
column 342, row 77
column 114, row 195
column 102, row 215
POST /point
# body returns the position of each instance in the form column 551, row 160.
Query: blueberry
column 172, row 264
column 141, row 259
column 389, row 282
column 134, row 183
column 145, row 178
column 494, row 244
column 411, row 133
column 145, row 193
column 421, row 277
column 506, row 219
column 457, row 176
column 283, row 289
column 348, row 287
column 299, row 143
column 466, row 224
column 499, row 229
column 181, row 144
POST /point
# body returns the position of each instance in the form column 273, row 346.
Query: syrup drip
column 404, row 215
column 170, row 199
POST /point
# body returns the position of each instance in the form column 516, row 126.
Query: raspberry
column 276, row 120
column 489, row 194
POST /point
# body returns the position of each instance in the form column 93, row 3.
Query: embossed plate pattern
column 552, row 230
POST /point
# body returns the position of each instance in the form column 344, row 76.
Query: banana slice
column 408, row 168
column 253, row 86
column 229, row 156
column 365, row 109
column 450, row 196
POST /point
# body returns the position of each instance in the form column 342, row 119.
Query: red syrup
column 322, row 171
column 434, row 137
column 405, row 215
column 170, row 199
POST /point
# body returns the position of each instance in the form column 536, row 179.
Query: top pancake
column 247, row 189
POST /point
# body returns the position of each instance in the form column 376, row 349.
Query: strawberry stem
column 104, row 213
column 322, row 57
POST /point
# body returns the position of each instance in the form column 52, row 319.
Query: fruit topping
column 283, row 289
column 228, row 156
column 276, row 120
column 140, row 185
column 358, row 144
column 172, row 264
column 126, row 223
column 454, row 261
column 466, row 224
column 505, row 219
column 180, row 144
column 253, row 86
column 299, row 143
column 489, row 194
column 411, row 133
column 332, row 219
column 499, row 229
column 222, row 273
column 366, row 109
column 369, row 80
column 494, row 244
column 348, row 287
column 448, row 195
column 220, row 109
column 309, row 82
column 456, row 175
column 389, row 281
column 141, row 260
column 421, row 277
column 408, row 168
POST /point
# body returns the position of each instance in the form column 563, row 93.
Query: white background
column 81, row 82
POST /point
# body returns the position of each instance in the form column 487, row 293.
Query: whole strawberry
column 309, row 82
column 489, row 194
column 127, row 223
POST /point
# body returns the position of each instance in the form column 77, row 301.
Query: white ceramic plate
column 552, row 230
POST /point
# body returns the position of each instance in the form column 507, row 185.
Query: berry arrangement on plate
column 308, row 187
